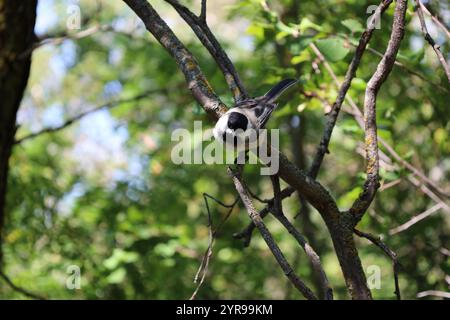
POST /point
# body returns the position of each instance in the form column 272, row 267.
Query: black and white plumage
column 234, row 126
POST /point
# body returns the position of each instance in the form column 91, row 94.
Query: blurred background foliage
column 104, row 195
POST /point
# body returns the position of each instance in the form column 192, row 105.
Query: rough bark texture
column 17, row 19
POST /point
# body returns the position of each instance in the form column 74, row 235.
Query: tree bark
column 17, row 20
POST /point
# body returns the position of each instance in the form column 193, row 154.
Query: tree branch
column 257, row 220
column 357, row 114
column 416, row 219
column 391, row 254
column 203, row 11
column 277, row 211
column 430, row 40
column 78, row 117
column 207, row 38
column 350, row 74
column 19, row 289
column 434, row 293
column 203, row 269
column 246, row 234
column 197, row 83
column 312, row 190
column 275, row 206
column 435, row 19
column 384, row 68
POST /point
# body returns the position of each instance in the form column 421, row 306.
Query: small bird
column 240, row 125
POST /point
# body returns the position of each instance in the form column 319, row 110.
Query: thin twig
column 313, row 257
column 257, row 220
column 416, row 219
column 434, row 293
column 413, row 169
column 203, row 268
column 203, row 11
column 390, row 184
column 350, row 74
column 391, row 254
column 430, row 193
column 277, row 211
column 59, row 37
column 435, row 19
column 431, row 41
column 246, row 234
column 78, row 117
column 256, row 197
column 411, row 71
column 357, row 114
column 19, row 289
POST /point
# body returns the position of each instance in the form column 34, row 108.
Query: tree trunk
column 17, row 20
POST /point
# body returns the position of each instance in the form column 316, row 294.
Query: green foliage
column 104, row 194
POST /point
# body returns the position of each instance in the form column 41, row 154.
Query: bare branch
column 277, row 203
column 430, row 40
column 310, row 253
column 357, row 114
column 246, row 234
column 413, row 169
column 59, row 37
column 78, row 117
column 416, row 219
column 257, row 220
column 434, row 293
column 426, row 190
column 411, row 71
column 435, row 19
column 275, row 206
column 312, row 190
column 203, row 269
column 203, row 11
column 384, row 68
column 314, row 258
column 199, row 86
column 19, row 289
column 391, row 254
column 350, row 74
column 207, row 38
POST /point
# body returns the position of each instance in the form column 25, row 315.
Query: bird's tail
column 278, row 89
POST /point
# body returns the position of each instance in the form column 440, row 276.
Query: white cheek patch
column 221, row 127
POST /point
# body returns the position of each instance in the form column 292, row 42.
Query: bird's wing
column 247, row 104
column 263, row 112
column 257, row 110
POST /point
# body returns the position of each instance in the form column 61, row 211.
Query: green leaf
column 256, row 30
column 353, row 25
column 359, row 84
column 300, row 44
column 333, row 48
column 308, row 24
column 304, row 56
column 117, row 276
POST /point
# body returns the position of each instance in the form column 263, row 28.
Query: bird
column 239, row 127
